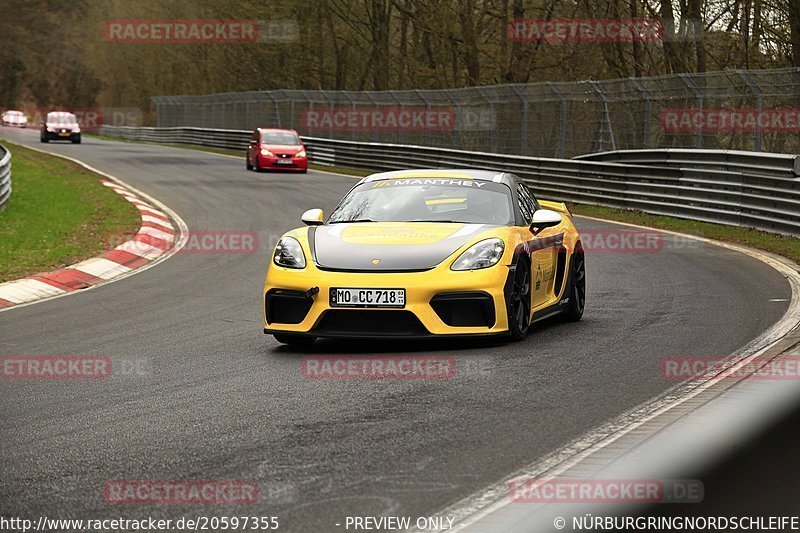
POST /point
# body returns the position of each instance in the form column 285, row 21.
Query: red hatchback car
column 273, row 149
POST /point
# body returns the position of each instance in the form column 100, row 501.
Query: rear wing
column 561, row 207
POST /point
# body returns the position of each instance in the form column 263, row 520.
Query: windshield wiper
column 351, row 221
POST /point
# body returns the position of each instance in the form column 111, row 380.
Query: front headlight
column 266, row 152
column 76, row 129
column 289, row 253
column 482, row 254
column 301, row 153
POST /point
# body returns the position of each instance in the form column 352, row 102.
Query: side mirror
column 313, row 217
column 544, row 218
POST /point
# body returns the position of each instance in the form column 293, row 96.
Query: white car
column 15, row 118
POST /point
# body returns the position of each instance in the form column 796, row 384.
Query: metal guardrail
column 215, row 138
column 745, row 189
column 5, row 176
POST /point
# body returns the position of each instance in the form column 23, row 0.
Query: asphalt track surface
column 214, row 398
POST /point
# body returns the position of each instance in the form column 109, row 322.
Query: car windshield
column 427, row 200
column 280, row 137
column 61, row 118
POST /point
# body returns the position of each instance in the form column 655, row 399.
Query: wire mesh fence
column 737, row 110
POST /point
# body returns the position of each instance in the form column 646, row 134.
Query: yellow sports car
column 422, row 253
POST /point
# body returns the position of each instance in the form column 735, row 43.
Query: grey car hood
column 388, row 246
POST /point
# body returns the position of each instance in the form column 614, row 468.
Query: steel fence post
column 331, row 102
column 425, row 133
column 562, row 130
column 759, row 94
column 698, row 94
column 606, row 120
column 490, row 104
column 371, row 99
column 353, row 107
column 275, row 107
column 400, row 139
column 159, row 122
column 459, row 125
column 309, row 108
column 524, row 133
column 648, row 112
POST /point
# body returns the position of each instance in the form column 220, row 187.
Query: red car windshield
column 284, row 138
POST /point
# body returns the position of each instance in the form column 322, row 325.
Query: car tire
column 577, row 286
column 519, row 302
column 247, row 163
column 76, row 141
column 43, row 139
column 304, row 171
column 257, row 166
column 294, row 340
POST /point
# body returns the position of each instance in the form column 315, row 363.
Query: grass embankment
column 788, row 247
column 58, row 214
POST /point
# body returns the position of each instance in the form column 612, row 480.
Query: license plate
column 284, row 161
column 347, row 297
column 64, row 134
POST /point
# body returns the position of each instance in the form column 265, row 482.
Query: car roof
column 496, row 176
column 282, row 130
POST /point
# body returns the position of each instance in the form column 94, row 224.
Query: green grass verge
column 58, row 214
column 788, row 247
